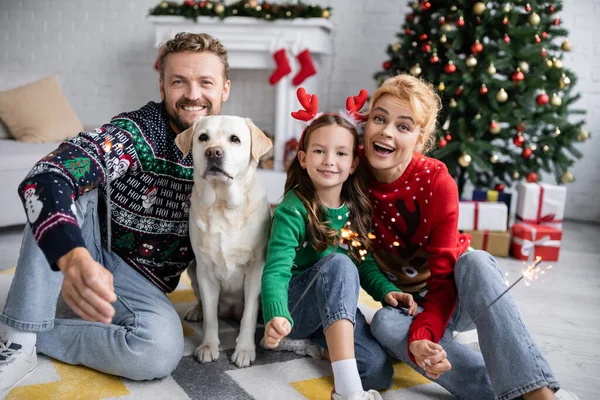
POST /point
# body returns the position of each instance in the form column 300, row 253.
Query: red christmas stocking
column 283, row 66
column 307, row 68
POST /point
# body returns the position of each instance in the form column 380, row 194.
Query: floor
column 562, row 310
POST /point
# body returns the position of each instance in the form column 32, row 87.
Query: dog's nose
column 214, row 152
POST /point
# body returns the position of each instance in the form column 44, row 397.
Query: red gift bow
column 528, row 246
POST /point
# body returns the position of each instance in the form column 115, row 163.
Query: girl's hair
column 354, row 193
column 422, row 99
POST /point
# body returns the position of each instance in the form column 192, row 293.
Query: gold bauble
column 453, row 8
column 414, row 44
column 494, row 158
column 549, row 63
column 396, row 46
column 516, row 175
column 557, row 63
column 443, row 38
column 506, row 8
column 164, row 4
column 452, row 103
column 219, row 8
column 326, row 14
column 491, row 69
column 446, row 28
column 414, row 5
column 477, row 116
column 415, row 70
column 534, row 19
column 441, row 87
column 496, row 129
column 567, row 177
column 471, row 61
column 555, row 100
column 253, row 3
column 464, row 160
column 546, row 148
column 583, row 135
column 556, row 132
column 564, row 81
column 479, row 8
column 209, row 5
column 524, row 67
column 502, row 96
column 566, row 45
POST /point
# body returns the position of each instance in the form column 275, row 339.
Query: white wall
column 102, row 51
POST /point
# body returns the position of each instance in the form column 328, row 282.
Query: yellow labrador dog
column 230, row 222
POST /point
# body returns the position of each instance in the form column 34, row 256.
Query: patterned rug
column 274, row 375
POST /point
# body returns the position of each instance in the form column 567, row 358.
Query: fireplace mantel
column 250, row 43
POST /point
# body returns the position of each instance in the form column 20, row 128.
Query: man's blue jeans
column 145, row 339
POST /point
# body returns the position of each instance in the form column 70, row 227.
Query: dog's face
column 224, row 147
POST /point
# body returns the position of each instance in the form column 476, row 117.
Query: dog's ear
column 184, row 140
column 261, row 144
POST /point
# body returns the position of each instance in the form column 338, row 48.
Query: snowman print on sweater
column 33, row 204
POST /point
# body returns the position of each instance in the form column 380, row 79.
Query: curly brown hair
column 354, row 193
column 423, row 100
column 196, row 42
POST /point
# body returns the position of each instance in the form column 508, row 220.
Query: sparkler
column 107, row 149
column 529, row 274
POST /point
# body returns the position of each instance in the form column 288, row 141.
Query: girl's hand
column 403, row 299
column 275, row 330
column 431, row 357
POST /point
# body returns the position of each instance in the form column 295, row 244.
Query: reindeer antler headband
column 310, row 102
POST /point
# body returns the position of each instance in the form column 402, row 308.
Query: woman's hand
column 431, row 357
column 403, row 299
column 275, row 330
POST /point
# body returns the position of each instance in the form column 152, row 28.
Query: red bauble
column 459, row 91
column 426, row 48
column 526, row 153
column 442, row 143
column 537, row 39
column 518, row 76
column 387, row 65
column 493, row 125
column 545, row 35
column 506, row 38
column 460, row 22
column 521, row 126
column 189, row 2
column 544, row 53
column 528, row 7
column 425, row 6
column 448, row 137
column 476, row 48
column 434, row 59
column 423, row 36
column 542, row 99
column 449, row 68
column 551, row 9
column 266, row 6
column 483, row 89
column 557, row 22
column 408, row 31
column 410, row 17
column 519, row 140
column 532, row 177
column 478, row 20
column 500, row 187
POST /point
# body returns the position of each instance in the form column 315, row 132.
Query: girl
column 415, row 220
column 320, row 235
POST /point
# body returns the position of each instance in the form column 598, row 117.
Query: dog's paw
column 194, row 314
column 206, row 353
column 243, row 356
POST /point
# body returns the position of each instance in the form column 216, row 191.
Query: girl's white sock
column 26, row 339
column 346, row 378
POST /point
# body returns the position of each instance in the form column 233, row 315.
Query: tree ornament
column 325, row 14
column 544, row 52
column 520, row 127
column 414, row 44
column 524, row 67
column 449, row 68
column 557, row 22
column 164, row 4
column 534, row 19
column 494, row 158
column 471, row 61
column 477, row 116
column 544, row 35
column 414, row 5
column 505, row 20
column 516, row 175
column 526, row 153
column 426, row 48
column 209, row 5
column 408, row 32
column 446, row 28
column 528, row 7
column 434, row 58
column 532, row 177
column 502, row 96
column 556, row 132
column 423, row 36
column 537, row 39
column 448, row 136
column 506, row 8
column 443, row 38
column 518, row 76
column 555, row 100
column 441, row 87
column 564, row 81
column 477, row 47
column 459, row 90
column 415, row 70
column 519, row 140
column 253, row 3
column 557, row 63
column 396, row 46
column 549, row 63
column 442, row 143
column 425, row 6
column 500, row 187
column 479, row 8
column 387, row 65
column 566, row 45
column 189, row 2
column 583, row 135
column 464, row 160
column 567, row 177
column 491, row 69
column 495, row 128
column 452, row 103
column 483, row 90
column 551, row 9
column 506, row 38
column 542, row 98
column 460, row 22
column 442, row 20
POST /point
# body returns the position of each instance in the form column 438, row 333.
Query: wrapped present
column 531, row 241
column 492, row 195
column 485, row 216
column 541, row 203
column 495, row 243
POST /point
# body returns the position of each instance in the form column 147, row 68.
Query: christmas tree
column 507, row 99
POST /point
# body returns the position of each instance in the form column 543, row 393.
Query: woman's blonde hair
column 423, row 101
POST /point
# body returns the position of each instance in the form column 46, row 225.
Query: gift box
column 492, row 195
column 541, row 203
column 495, row 243
column 530, row 241
column 484, row 216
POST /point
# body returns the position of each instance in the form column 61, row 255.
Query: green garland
column 246, row 8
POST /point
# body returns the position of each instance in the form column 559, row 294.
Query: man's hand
column 403, row 299
column 431, row 357
column 87, row 286
column 276, row 329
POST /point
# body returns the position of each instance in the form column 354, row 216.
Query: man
column 129, row 326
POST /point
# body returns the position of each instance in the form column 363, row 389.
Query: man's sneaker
column 15, row 366
column 563, row 394
column 370, row 395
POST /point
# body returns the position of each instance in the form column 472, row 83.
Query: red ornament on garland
column 537, row 39
column 528, row 7
column 557, row 22
column 544, row 52
column 506, row 38
column 425, row 6
column 500, row 187
column 266, row 6
column 477, row 47
column 521, row 126
column 545, row 35
column 542, row 99
column 519, row 140
column 190, row 3
column 551, row 9
column 408, row 31
column 449, row 68
column 526, row 153
column 423, row 36
column 483, row 89
column 426, row 48
column 387, row 65
column 434, row 58
column 532, row 177
column 518, row 76
column 442, row 143
column 410, row 17
column 448, row 137
column 460, row 22
column 459, row 91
